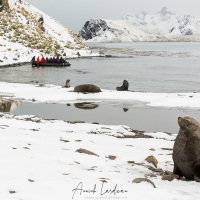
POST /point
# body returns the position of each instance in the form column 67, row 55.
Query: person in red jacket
column 38, row 59
column 43, row 59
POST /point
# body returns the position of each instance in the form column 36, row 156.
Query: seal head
column 188, row 124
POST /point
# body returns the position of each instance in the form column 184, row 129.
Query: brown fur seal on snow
column 87, row 88
column 186, row 151
column 124, row 87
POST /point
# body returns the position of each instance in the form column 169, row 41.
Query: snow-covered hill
column 26, row 31
column 164, row 26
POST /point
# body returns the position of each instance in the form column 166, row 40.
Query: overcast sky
column 74, row 13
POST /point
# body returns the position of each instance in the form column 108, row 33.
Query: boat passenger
column 43, row 59
column 78, row 54
column 57, row 59
column 33, row 59
column 50, row 59
column 47, row 59
column 38, row 59
column 54, row 60
column 61, row 60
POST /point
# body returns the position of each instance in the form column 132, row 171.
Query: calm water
column 134, row 114
column 149, row 67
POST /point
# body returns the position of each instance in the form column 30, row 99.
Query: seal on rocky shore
column 67, row 84
column 87, row 88
column 186, row 151
column 124, row 86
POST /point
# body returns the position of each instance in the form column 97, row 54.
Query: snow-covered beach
column 40, row 160
column 48, row 93
column 48, row 159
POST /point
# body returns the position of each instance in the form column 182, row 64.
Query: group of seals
column 186, row 151
column 89, row 88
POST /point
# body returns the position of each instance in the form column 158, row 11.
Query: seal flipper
column 177, row 171
column 197, row 173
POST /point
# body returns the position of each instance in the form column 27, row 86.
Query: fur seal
column 67, row 84
column 186, row 151
column 87, row 88
column 124, row 87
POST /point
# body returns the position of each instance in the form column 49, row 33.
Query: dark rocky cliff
column 92, row 28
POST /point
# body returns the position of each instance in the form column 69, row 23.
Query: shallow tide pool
column 135, row 115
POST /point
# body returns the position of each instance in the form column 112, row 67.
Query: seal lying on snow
column 87, row 88
column 186, row 151
column 124, row 87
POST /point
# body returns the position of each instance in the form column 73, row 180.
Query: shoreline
column 56, row 98
column 68, row 58
column 57, row 94
column 14, row 64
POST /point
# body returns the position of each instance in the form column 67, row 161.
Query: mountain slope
column 24, row 29
column 164, row 26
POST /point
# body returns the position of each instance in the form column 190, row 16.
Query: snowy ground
column 56, row 94
column 42, row 159
column 13, row 53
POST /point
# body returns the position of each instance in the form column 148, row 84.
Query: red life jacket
column 38, row 59
column 43, row 59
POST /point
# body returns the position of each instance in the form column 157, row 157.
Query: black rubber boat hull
column 66, row 64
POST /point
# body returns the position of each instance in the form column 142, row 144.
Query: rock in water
column 186, row 151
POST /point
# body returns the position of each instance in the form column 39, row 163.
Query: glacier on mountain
column 163, row 26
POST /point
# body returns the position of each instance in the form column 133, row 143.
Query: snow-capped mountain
column 26, row 31
column 163, row 26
